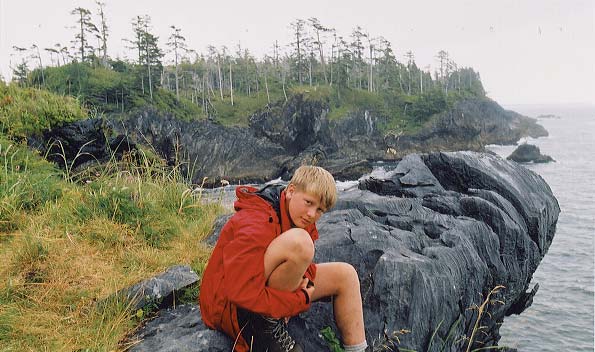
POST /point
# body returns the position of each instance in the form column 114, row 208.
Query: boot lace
column 281, row 335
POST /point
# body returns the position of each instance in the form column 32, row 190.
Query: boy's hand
column 308, row 286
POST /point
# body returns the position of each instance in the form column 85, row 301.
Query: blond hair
column 317, row 181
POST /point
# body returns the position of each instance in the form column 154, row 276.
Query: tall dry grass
column 69, row 239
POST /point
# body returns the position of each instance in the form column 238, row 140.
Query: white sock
column 361, row 347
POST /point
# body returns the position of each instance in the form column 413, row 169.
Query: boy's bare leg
column 287, row 258
column 285, row 261
column 340, row 281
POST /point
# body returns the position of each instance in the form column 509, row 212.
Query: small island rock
column 526, row 153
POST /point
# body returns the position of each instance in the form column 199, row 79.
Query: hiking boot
column 264, row 334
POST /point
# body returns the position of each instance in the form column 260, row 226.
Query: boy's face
column 304, row 208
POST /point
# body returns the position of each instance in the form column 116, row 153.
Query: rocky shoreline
column 430, row 240
column 284, row 135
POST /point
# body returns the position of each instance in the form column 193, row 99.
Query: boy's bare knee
column 302, row 247
column 349, row 274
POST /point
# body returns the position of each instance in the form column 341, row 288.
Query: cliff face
column 470, row 125
column 285, row 134
column 429, row 240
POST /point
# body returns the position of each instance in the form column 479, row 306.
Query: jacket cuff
column 306, row 295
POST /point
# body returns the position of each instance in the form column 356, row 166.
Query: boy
column 261, row 272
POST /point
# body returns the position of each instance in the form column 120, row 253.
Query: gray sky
column 526, row 51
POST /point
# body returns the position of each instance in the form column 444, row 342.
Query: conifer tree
column 319, row 30
column 299, row 34
column 177, row 45
column 103, row 33
column 85, row 28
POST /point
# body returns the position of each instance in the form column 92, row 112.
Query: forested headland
column 350, row 71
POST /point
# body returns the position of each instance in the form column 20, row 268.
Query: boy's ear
column 289, row 191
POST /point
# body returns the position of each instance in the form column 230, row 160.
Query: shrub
column 28, row 111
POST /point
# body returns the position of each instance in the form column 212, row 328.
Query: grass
column 71, row 240
column 27, row 111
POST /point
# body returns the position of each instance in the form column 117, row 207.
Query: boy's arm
column 244, row 281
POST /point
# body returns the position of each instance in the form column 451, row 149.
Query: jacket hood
column 264, row 198
column 269, row 199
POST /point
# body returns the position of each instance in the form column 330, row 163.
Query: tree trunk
column 371, row 76
column 310, row 72
column 230, row 83
column 283, row 84
column 82, row 39
column 322, row 63
column 266, row 86
column 220, row 78
column 177, row 79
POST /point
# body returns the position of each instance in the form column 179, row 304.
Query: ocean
column 561, row 317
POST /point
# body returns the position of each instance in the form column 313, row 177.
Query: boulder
column 527, row 153
column 80, row 143
column 161, row 289
column 430, row 241
column 179, row 329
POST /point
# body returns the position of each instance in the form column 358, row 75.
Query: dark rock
column 159, row 289
column 526, row 153
column 527, row 192
column 207, row 149
column 190, row 333
column 217, row 226
column 467, row 223
column 295, row 125
column 347, row 169
column 411, row 178
column 469, row 125
column 284, row 135
column 81, row 142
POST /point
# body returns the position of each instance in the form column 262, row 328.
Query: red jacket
column 234, row 275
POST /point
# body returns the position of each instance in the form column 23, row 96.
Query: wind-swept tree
column 371, row 49
column 357, row 53
column 85, row 28
column 216, row 57
column 410, row 67
column 320, row 30
column 386, row 64
column 300, row 35
column 443, row 66
column 21, row 70
column 53, row 52
column 37, row 55
column 149, row 53
column 103, row 33
column 177, row 45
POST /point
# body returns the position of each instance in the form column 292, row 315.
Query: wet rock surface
column 429, row 240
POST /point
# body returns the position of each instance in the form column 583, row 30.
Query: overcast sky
column 526, row 51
